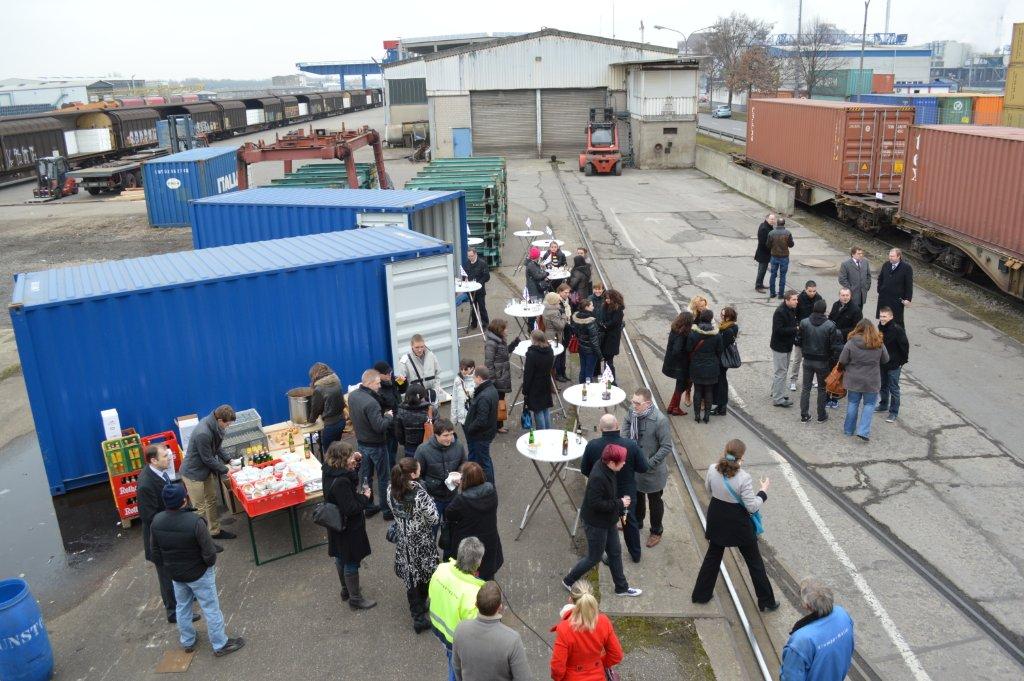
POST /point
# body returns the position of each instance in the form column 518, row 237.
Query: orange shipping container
column 881, row 83
column 965, row 181
column 845, row 147
column 988, row 110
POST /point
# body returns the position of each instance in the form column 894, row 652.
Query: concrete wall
column 664, row 144
column 776, row 195
column 407, row 113
column 446, row 113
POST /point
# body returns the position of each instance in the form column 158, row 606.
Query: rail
column 692, row 492
column 722, row 134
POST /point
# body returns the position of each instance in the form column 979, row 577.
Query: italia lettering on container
column 227, row 182
column 23, row 637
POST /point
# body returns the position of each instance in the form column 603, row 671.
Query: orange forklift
column 602, row 156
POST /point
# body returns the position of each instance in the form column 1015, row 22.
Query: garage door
column 504, row 123
column 564, row 115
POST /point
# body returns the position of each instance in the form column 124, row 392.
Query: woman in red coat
column 585, row 642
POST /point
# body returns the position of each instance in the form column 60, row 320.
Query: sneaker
column 568, row 587
column 792, row 387
column 804, row 418
column 865, row 438
column 822, row 419
column 224, row 534
column 371, row 511
column 387, row 515
column 891, row 418
column 191, row 648
column 173, row 617
column 783, row 403
column 832, row 404
column 632, row 592
column 231, row 646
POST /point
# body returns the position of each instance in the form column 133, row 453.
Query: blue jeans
column 480, row 452
column 332, row 432
column 588, row 363
column 203, row 590
column 347, row 568
column 451, row 669
column 376, row 460
column 779, row 268
column 863, row 426
column 889, row 397
column 461, row 298
column 541, row 419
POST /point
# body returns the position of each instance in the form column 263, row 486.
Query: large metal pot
column 299, row 400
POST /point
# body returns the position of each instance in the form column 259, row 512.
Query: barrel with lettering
column 25, row 653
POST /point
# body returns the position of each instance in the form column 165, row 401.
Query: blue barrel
column 25, row 653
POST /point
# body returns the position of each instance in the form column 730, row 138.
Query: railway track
column 754, row 628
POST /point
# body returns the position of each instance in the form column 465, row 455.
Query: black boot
column 418, row 609
column 341, row 578
column 356, row 600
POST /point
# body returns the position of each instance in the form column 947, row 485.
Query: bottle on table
column 565, row 443
column 533, row 437
column 584, row 396
column 291, row 442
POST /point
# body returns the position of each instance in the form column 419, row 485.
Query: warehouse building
column 908, row 63
column 530, row 95
column 52, row 93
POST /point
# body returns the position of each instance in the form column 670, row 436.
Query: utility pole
column 613, row 19
column 863, row 39
column 641, row 31
column 799, row 22
column 888, row 6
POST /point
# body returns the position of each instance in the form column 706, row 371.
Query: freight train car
column 233, row 116
column 206, row 116
column 291, row 107
column 24, row 139
column 314, row 105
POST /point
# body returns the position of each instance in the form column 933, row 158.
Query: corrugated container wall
column 1014, row 96
column 881, row 83
column 842, row 83
column 172, row 181
column 988, row 110
column 926, row 107
column 23, row 140
column 1013, row 118
column 955, row 109
column 181, row 333
column 262, row 214
column 1017, row 44
column 966, row 181
column 840, row 146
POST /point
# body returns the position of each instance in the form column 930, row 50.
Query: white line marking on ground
column 735, row 397
column 654, row 276
column 862, row 585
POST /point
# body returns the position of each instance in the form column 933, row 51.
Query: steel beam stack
column 328, row 176
column 483, row 179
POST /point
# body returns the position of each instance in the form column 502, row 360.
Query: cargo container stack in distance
column 840, row 84
column 1013, row 100
column 328, row 176
column 484, row 181
column 960, row 108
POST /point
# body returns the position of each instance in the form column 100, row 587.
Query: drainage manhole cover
column 950, row 333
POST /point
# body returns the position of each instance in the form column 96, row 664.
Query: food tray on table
column 273, row 502
column 266, row 487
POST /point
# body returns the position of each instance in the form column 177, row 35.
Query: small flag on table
column 547, row 230
column 529, row 223
column 526, row 294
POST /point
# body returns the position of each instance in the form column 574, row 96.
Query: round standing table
column 470, row 288
column 574, row 395
column 549, row 450
column 522, row 311
column 474, row 241
column 544, row 243
column 525, row 235
column 558, row 274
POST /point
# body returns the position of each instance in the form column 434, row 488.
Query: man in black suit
column 895, row 286
column 625, row 479
column 154, row 476
column 477, row 270
column 762, row 255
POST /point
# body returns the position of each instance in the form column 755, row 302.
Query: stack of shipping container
column 1013, row 102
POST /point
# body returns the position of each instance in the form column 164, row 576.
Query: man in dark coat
column 895, row 286
column 818, row 336
column 390, row 397
column 855, row 274
column 625, row 478
column 478, row 271
column 482, row 421
column 372, row 425
column 183, row 547
column 898, row 347
column 154, row 476
column 762, row 255
column 204, row 462
column 784, row 328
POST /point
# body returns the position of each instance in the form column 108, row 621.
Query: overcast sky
column 163, row 39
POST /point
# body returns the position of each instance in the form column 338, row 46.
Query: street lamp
column 863, row 39
column 686, row 38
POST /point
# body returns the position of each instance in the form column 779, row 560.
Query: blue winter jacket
column 819, row 651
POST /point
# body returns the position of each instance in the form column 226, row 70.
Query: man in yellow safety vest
column 453, row 589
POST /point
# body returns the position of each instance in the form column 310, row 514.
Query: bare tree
column 757, row 70
column 810, row 57
column 729, row 39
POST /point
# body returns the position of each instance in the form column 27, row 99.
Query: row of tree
column 740, row 58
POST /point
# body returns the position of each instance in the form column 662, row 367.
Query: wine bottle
column 565, row 443
column 533, row 437
column 291, row 442
column 584, row 396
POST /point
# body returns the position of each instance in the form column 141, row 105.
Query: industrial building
column 408, row 48
column 907, row 63
column 530, row 95
column 28, row 92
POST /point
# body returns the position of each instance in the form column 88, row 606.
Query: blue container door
column 462, row 140
column 25, row 653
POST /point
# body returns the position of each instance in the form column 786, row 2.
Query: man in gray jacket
column 649, row 428
column 420, row 365
column 372, row 425
column 855, row 274
column 484, row 649
column 204, row 461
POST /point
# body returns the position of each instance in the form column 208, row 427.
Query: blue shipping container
column 263, row 214
column 926, row 107
column 180, row 333
column 172, row 181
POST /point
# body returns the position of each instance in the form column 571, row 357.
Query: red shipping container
column 965, row 181
column 881, row 83
column 845, row 147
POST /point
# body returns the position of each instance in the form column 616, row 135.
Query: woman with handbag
column 349, row 546
column 586, row 647
column 734, row 520
column 861, row 363
column 677, row 363
column 540, row 360
column 705, row 348
column 413, row 418
column 474, row 513
column 496, row 359
column 412, row 533
column 730, row 358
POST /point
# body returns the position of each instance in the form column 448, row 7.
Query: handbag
column 574, row 344
column 526, row 420
column 731, row 357
column 328, row 515
column 428, row 426
column 755, row 518
column 502, row 409
column 834, row 382
column 392, row 535
column 444, row 537
column 610, row 674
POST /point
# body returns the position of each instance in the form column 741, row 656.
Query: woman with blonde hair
column 861, row 363
column 730, row 523
column 697, row 305
column 585, row 641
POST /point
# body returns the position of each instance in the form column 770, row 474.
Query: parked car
column 722, row 111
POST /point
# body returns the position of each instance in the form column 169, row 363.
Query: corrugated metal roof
column 200, row 154
column 348, row 198
column 56, row 286
column 444, row 54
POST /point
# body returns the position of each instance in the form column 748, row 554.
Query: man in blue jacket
column 820, row 646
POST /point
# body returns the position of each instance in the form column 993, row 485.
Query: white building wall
column 447, row 112
column 51, row 95
column 663, row 92
column 412, row 69
column 545, row 62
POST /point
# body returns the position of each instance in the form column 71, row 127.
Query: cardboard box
column 186, row 424
column 111, row 424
